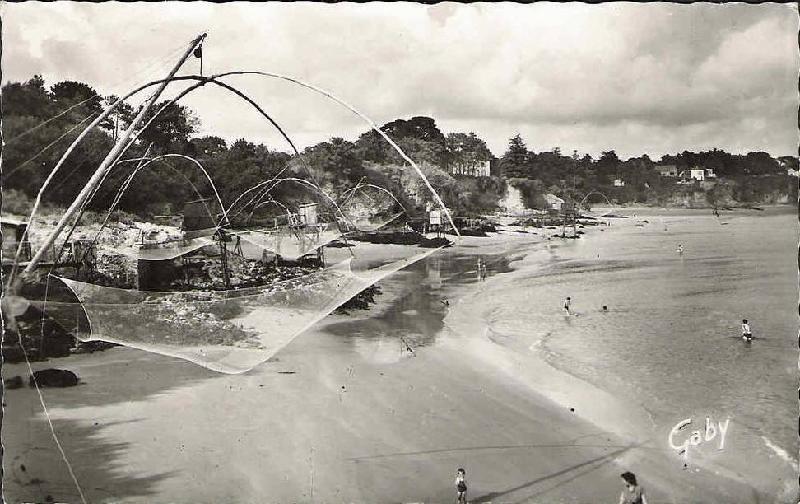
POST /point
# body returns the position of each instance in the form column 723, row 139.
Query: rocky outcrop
column 53, row 378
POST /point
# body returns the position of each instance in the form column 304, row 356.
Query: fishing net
column 227, row 331
column 290, row 243
column 368, row 207
column 161, row 251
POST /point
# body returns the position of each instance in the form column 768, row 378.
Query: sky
column 636, row 78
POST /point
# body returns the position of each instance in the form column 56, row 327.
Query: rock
column 12, row 383
column 53, row 378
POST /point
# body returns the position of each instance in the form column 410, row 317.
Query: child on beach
column 461, row 486
column 747, row 335
column 633, row 493
column 567, row 303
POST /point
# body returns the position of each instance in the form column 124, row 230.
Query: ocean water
column 670, row 341
column 669, row 345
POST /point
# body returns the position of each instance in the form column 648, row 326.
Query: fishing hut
column 12, row 233
column 163, row 263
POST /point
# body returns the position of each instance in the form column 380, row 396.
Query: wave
column 781, row 453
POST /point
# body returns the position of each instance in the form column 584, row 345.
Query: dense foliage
column 39, row 124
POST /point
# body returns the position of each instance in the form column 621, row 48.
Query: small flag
column 198, row 52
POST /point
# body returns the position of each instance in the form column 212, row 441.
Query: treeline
column 40, row 122
column 750, row 177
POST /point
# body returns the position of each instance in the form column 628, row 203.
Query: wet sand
column 333, row 418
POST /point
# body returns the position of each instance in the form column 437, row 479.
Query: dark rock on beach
column 12, row 383
column 53, row 378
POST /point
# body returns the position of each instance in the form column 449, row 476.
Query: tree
column 119, row 120
column 68, row 93
column 27, row 99
column 419, row 127
column 465, row 148
column 761, row 163
column 207, row 146
column 514, row 163
column 335, row 161
column 171, row 129
column 607, row 165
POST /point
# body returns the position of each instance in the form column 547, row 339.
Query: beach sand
column 334, row 419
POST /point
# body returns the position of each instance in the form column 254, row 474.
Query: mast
column 105, row 166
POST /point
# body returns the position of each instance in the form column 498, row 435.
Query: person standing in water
column 461, row 486
column 632, row 493
column 479, row 269
column 747, row 335
column 567, row 304
column 680, row 249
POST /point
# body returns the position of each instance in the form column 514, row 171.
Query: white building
column 792, row 173
column 694, row 174
column 619, row 183
column 472, row 168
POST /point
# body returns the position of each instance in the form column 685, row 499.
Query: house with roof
column 667, row 170
column 471, row 167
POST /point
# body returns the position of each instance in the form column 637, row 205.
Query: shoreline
column 368, row 429
column 531, row 368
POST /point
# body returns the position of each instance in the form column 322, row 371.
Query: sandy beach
column 342, row 415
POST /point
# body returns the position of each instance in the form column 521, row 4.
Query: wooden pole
column 105, row 166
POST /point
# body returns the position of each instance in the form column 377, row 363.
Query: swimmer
column 747, row 334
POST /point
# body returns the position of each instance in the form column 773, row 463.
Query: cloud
column 652, row 78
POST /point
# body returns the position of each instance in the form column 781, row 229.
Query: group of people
column 633, row 493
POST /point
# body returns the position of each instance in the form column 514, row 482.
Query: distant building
column 619, row 183
column 553, row 202
column 472, row 168
column 693, row 174
column 710, row 173
column 667, row 170
column 793, row 173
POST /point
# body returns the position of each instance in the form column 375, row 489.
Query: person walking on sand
column 567, row 304
column 461, row 486
column 747, row 335
column 632, row 493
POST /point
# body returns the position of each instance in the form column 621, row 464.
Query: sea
column 675, row 284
